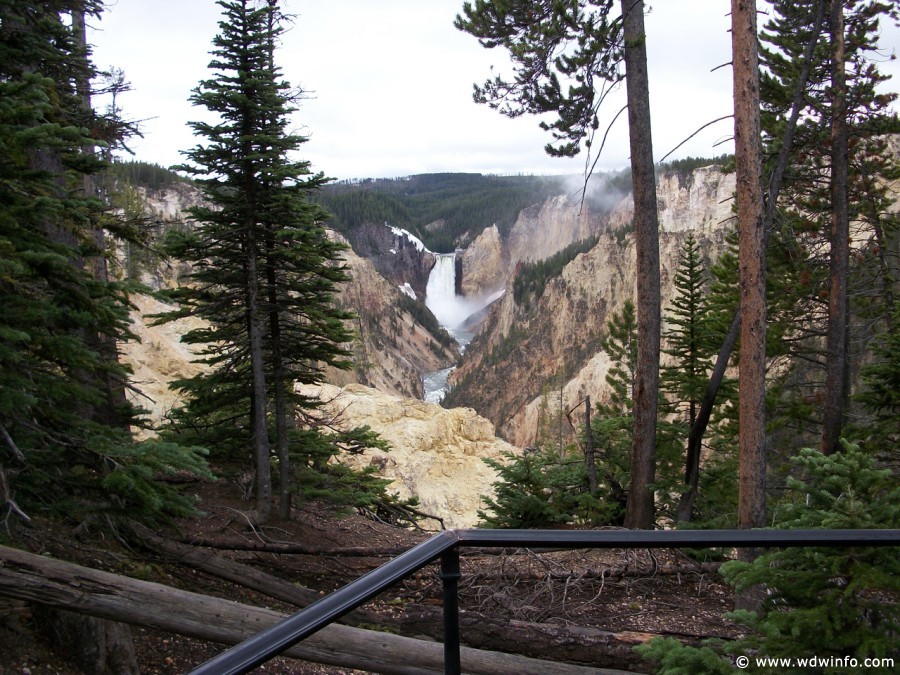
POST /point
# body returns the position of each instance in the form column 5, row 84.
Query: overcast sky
column 390, row 84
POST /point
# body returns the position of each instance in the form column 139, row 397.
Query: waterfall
column 451, row 310
column 440, row 293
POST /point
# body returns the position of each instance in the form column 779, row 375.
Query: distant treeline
column 688, row 164
column 466, row 202
column 144, row 174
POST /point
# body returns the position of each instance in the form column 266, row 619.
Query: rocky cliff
column 552, row 343
column 395, row 256
column 436, row 454
column 540, row 231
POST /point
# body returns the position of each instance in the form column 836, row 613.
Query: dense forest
column 448, row 210
column 464, row 203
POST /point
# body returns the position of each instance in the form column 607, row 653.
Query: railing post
column 450, row 575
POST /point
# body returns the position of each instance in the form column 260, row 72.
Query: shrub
column 820, row 601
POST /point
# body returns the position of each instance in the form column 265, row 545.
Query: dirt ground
column 660, row 592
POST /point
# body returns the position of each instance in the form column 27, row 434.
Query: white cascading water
column 451, row 310
column 440, row 293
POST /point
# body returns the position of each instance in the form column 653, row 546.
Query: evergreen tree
column 820, row 601
column 264, row 270
column 686, row 379
column 63, row 419
column 842, row 116
column 880, row 394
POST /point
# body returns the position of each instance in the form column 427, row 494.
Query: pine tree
column 61, row 414
column 820, row 601
column 843, row 115
column 685, row 380
column 264, row 269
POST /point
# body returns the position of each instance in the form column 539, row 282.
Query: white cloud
column 390, row 84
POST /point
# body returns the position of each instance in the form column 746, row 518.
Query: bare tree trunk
column 589, row 448
column 260, row 431
column 113, row 387
column 698, row 429
column 639, row 512
column 752, row 265
column 836, row 367
column 98, row 646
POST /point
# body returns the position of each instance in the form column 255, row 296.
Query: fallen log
column 245, row 575
column 583, row 644
column 56, row 583
column 569, row 643
column 297, row 549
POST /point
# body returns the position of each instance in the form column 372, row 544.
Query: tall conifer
column 264, row 270
column 63, row 421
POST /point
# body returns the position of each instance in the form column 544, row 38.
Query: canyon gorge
column 512, row 357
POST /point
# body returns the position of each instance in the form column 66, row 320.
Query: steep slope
column 539, row 231
column 436, row 454
column 552, row 343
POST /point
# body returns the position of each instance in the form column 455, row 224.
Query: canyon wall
column 524, row 353
column 539, row 232
column 392, row 349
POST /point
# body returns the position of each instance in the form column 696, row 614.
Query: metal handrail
column 274, row 640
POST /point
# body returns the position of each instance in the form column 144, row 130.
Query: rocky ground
column 629, row 592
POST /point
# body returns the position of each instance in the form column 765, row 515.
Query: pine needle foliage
column 820, row 601
column 65, row 422
column 264, row 274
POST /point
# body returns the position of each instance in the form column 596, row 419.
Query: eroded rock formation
column 524, row 353
column 437, row 454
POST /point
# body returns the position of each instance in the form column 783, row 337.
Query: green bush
column 541, row 489
column 824, row 602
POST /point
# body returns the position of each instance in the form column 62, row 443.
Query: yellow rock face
column 436, row 453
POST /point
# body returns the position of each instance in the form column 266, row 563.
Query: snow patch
column 409, row 235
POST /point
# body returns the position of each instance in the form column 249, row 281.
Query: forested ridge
column 466, row 203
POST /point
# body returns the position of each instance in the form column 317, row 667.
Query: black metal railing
column 273, row 641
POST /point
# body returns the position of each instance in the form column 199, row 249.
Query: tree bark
column 299, row 549
column 60, row 584
column 748, row 156
column 589, row 448
column 752, row 267
column 260, row 431
column 639, row 511
column 698, row 429
column 836, row 365
column 98, row 646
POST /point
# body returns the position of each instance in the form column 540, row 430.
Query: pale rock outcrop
column 158, row 357
column 542, row 230
column 172, row 202
column 484, row 263
column 437, row 454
